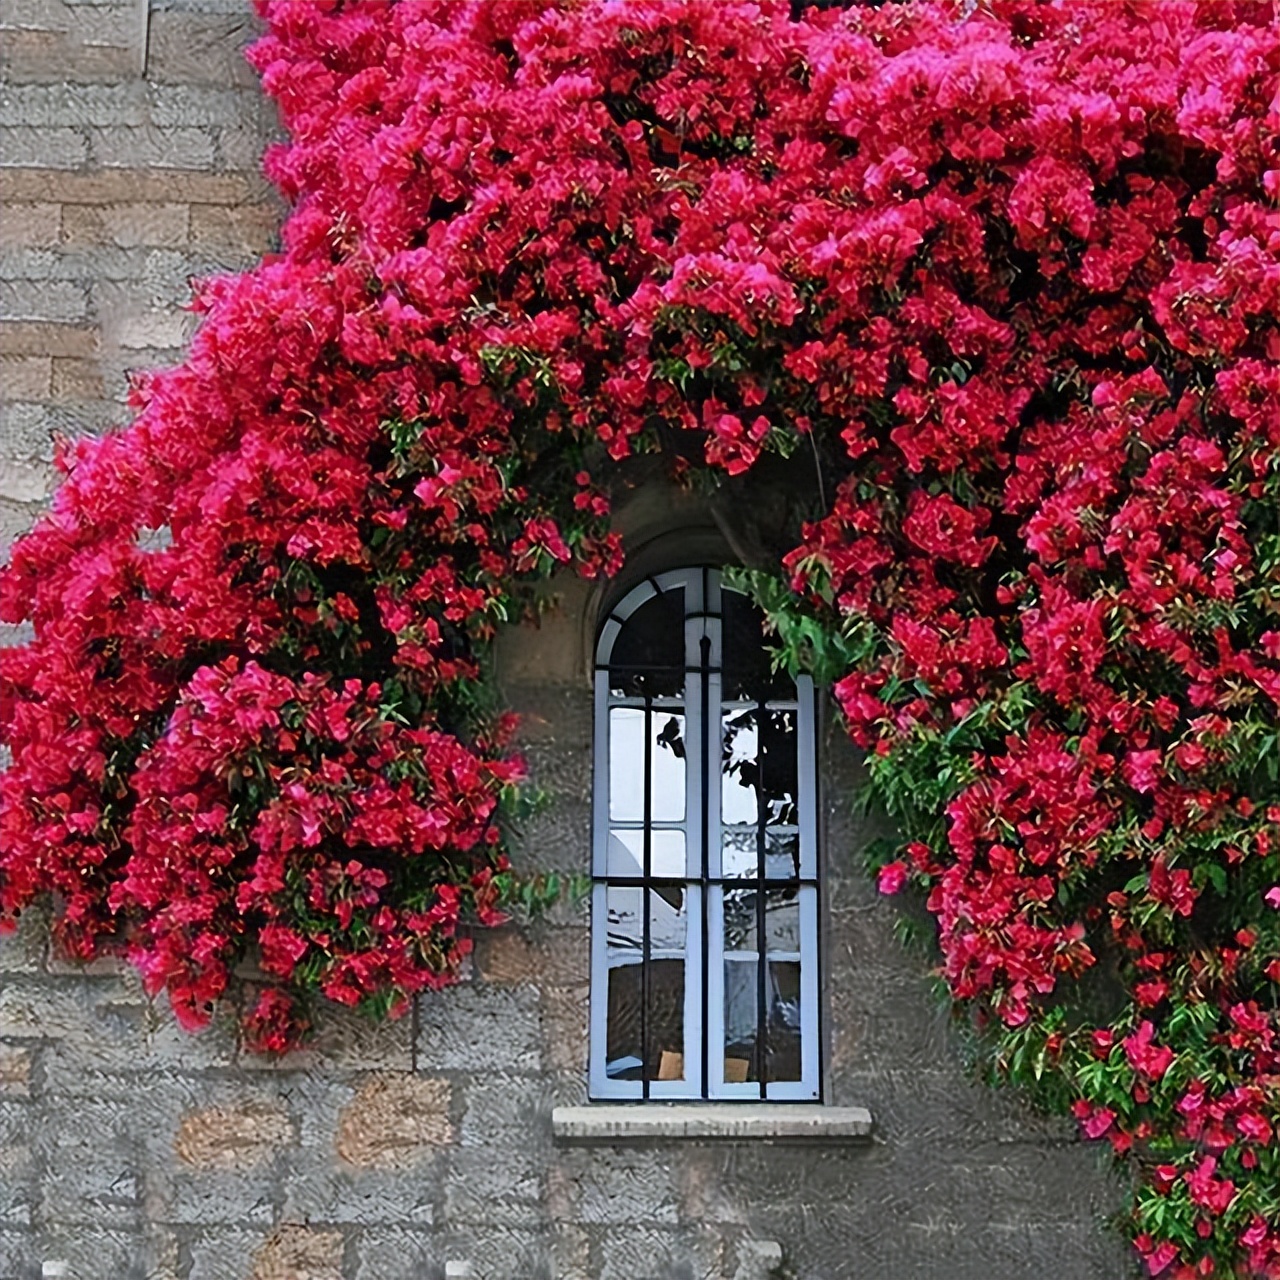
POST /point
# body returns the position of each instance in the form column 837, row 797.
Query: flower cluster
column 1007, row 273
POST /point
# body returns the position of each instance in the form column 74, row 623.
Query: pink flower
column 892, row 877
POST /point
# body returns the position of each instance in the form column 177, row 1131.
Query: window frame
column 703, row 879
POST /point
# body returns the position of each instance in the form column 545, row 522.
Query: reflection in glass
column 626, row 853
column 627, row 764
column 747, row 662
column 783, row 1039
column 778, row 753
column 740, row 1018
column 738, row 857
column 739, row 770
column 624, row 951
column 740, row 920
column 782, row 920
column 648, row 655
column 668, row 766
column 664, row 1013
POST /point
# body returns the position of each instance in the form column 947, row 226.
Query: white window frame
column 703, row 881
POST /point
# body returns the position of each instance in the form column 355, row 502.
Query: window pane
column 648, row 655
column 668, row 766
column 739, row 772
column 740, row 1018
column 624, row 949
column 738, row 853
column 666, row 853
column 740, row 920
column 747, row 659
column 778, row 749
column 783, row 996
column 627, row 765
column 668, row 932
column 781, row 920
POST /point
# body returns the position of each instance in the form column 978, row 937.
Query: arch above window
column 705, row 897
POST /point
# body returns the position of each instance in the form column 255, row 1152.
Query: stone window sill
column 624, row 1124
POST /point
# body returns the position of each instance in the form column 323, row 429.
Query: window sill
column 623, row 1124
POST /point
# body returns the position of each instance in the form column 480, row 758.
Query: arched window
column 705, row 896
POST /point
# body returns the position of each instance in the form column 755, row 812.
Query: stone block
column 392, row 1120
column 36, row 338
column 175, row 105
column 36, row 57
column 498, row 1252
column 758, row 1260
column 234, row 1137
column 300, row 1253
column 62, row 104
column 25, row 145
column 26, row 377
column 14, row 521
column 214, row 1197
column 37, row 225
column 316, row 1190
column 73, row 380
column 507, row 1111
column 93, row 1252
column 643, row 1253
column 500, row 1188
column 126, row 225
column 566, row 1016
column 483, row 1029
column 153, row 330
column 512, row 956
column 127, row 186
column 15, row 1072
column 397, row 1253
column 58, row 301
column 24, row 481
column 620, row 1186
column 222, row 1253
column 149, row 145
column 192, row 48
column 246, row 230
column 92, row 1165
column 241, row 146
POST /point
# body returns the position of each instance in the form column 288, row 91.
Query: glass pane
column 738, row 768
column 740, row 1019
column 668, row 925
column 627, row 765
column 747, row 661
column 626, row 853
column 668, row 766
column 783, row 1040
column 778, row 750
column 738, row 853
column 782, row 921
column 624, row 950
column 740, row 920
column 648, row 655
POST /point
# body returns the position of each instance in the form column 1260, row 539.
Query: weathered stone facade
column 129, row 1149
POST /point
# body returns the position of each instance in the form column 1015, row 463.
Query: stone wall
column 129, row 1149
column 117, row 186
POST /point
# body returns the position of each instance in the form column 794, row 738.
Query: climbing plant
column 1004, row 276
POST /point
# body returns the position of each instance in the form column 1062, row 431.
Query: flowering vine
column 1007, row 272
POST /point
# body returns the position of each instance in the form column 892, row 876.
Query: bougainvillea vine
column 1006, row 272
